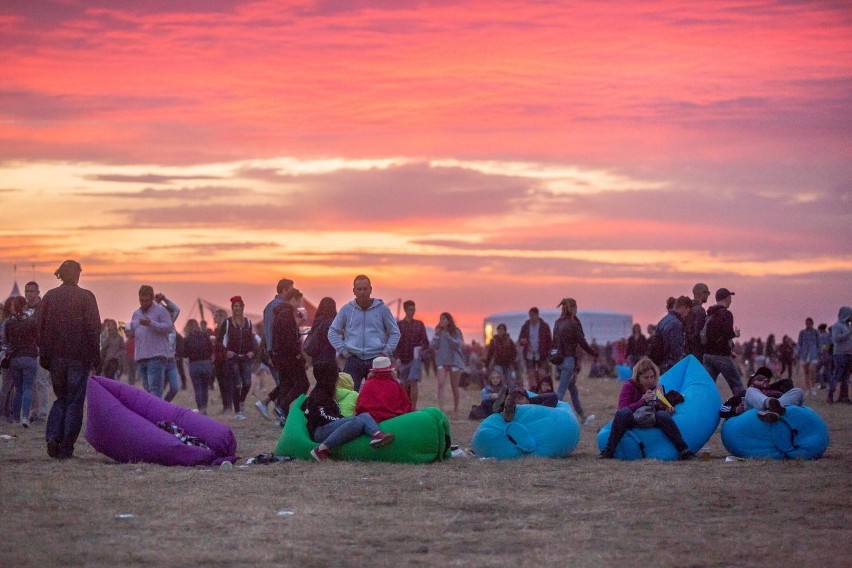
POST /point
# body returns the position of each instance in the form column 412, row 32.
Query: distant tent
column 15, row 290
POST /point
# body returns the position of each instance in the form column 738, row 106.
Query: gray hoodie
column 841, row 334
column 364, row 333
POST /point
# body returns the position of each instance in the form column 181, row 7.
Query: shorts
column 412, row 371
column 451, row 368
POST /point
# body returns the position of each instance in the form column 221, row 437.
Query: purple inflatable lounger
column 121, row 423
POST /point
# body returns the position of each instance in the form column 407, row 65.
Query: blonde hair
column 644, row 364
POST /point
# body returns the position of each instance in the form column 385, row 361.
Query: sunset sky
column 473, row 156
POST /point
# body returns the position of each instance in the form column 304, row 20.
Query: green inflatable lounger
column 422, row 436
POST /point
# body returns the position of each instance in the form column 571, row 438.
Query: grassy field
column 577, row 511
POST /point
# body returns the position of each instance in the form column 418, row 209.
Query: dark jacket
column 197, row 347
column 21, row 337
column 692, row 328
column 319, row 335
column 411, row 334
column 568, row 335
column 545, row 340
column 69, row 325
column 637, row 347
column 720, row 331
column 670, row 329
column 320, row 412
column 238, row 339
column 286, row 341
column 502, row 351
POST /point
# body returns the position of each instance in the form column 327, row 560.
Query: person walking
column 69, row 325
column 568, row 336
column 718, row 340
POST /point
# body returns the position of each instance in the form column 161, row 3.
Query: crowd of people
column 60, row 339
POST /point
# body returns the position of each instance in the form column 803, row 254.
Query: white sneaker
column 25, row 422
column 589, row 419
column 239, row 416
column 264, row 411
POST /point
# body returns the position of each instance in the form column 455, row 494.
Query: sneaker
column 279, row 412
column 686, row 455
column 509, row 408
column 264, row 411
column 25, row 423
column 768, row 416
column 589, row 419
column 381, row 439
column 239, row 416
column 774, row 405
column 321, row 455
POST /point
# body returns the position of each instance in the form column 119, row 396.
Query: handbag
column 645, row 416
column 555, row 356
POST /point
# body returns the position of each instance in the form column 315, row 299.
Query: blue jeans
column 239, row 371
column 568, row 382
column 357, row 369
column 23, row 371
column 174, row 379
column 153, row 373
column 338, row 432
column 624, row 421
column 69, row 378
column 842, row 364
column 201, row 373
column 716, row 364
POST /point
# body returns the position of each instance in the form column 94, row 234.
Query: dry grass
column 465, row 512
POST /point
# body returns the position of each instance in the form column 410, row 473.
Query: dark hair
column 407, row 303
column 683, row 302
column 327, row 308
column 31, row 283
column 452, row 328
column 325, row 373
column 670, row 303
column 15, row 306
column 284, row 283
column 362, row 277
column 533, row 310
column 292, row 293
column 145, row 289
column 501, row 326
column 69, row 271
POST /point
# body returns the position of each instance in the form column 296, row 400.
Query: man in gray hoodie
column 841, row 337
column 363, row 329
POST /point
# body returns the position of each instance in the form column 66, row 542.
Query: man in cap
column 695, row 320
column 717, row 337
column 69, row 327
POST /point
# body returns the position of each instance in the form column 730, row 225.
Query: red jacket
column 382, row 397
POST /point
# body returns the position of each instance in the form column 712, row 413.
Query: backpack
column 656, row 351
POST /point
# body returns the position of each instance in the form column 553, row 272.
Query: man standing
column 670, row 329
column 41, row 386
column 151, row 325
column 412, row 341
column 69, row 327
column 535, row 340
column 694, row 321
column 717, row 342
column 363, row 329
column 841, row 339
column 284, row 285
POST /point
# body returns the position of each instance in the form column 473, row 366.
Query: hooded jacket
column 365, row 334
column 841, row 335
column 720, row 331
column 382, row 397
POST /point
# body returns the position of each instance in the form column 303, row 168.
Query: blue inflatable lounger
column 534, row 431
column 799, row 433
column 697, row 416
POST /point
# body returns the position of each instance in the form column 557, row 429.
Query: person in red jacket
column 381, row 395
